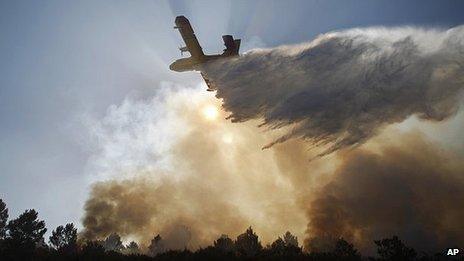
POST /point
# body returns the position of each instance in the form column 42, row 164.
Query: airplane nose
column 174, row 67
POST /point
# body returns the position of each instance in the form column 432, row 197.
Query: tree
column 277, row 247
column 225, row 244
column 93, row 250
column 287, row 245
column 24, row 235
column 157, row 246
column 394, row 249
column 113, row 243
column 345, row 251
column 64, row 238
column 132, row 248
column 247, row 244
column 290, row 240
column 26, row 229
column 3, row 219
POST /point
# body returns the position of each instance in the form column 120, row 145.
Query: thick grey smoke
column 410, row 189
column 340, row 88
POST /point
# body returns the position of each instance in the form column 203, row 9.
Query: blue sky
column 62, row 59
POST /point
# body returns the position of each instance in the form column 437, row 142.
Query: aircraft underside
column 198, row 59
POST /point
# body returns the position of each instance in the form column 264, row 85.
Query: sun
column 210, row 112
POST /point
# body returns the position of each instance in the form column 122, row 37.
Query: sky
column 64, row 62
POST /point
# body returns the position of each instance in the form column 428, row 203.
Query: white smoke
column 340, row 88
column 162, row 164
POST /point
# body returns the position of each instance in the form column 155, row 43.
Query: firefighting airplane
column 197, row 59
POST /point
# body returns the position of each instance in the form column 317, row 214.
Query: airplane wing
column 191, row 42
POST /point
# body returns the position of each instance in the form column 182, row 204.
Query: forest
column 23, row 239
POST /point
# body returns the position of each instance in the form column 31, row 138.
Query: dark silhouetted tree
column 345, row 251
column 3, row 219
column 64, row 239
column 24, row 235
column 247, row 244
column 92, row 250
column 394, row 249
column 224, row 244
column 157, row 246
column 284, row 247
column 277, row 247
column 132, row 248
column 27, row 228
column 290, row 240
column 113, row 243
column 222, row 249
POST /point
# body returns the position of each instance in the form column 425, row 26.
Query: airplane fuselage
column 198, row 59
column 190, row 64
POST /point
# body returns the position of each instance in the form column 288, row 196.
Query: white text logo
column 452, row 251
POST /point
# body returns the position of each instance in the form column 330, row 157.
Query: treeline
column 23, row 239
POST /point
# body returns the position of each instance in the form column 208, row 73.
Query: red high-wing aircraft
column 198, row 58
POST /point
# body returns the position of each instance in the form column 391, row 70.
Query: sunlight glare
column 210, row 112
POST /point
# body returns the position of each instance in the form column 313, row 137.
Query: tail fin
column 237, row 44
column 232, row 46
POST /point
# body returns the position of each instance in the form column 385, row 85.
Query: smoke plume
column 173, row 166
column 339, row 89
column 211, row 179
column 410, row 189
